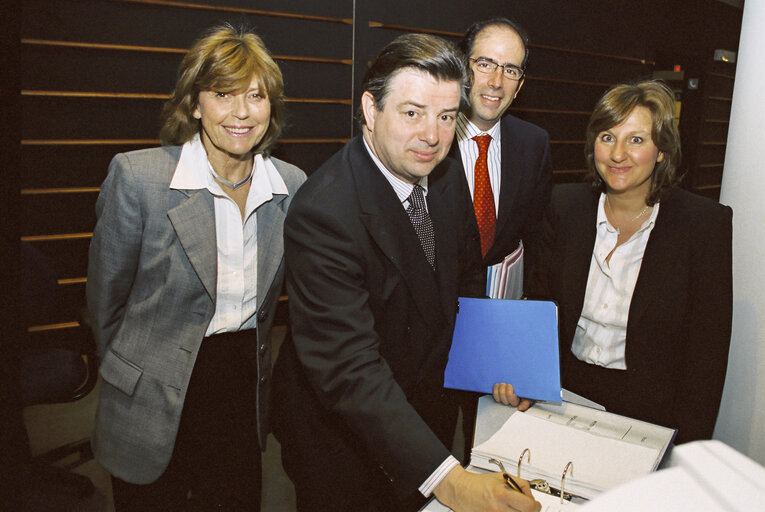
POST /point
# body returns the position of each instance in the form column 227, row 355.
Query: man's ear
column 520, row 84
column 369, row 108
column 196, row 113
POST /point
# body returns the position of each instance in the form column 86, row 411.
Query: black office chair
column 57, row 366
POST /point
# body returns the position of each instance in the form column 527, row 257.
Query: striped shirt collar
column 403, row 189
column 466, row 130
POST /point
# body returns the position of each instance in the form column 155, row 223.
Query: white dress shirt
column 236, row 238
column 464, row 134
column 601, row 333
column 403, row 190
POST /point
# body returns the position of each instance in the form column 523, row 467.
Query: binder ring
column 526, row 452
column 570, row 464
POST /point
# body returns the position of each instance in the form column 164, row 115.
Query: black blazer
column 359, row 385
column 679, row 325
column 525, row 188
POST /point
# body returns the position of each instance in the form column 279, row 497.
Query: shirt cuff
column 439, row 474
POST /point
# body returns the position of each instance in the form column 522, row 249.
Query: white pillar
column 741, row 422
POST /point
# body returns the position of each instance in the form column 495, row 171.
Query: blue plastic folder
column 513, row 341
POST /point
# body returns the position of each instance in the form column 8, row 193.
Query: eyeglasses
column 509, row 71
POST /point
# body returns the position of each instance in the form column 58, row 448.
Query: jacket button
column 263, row 380
column 262, row 348
column 262, row 315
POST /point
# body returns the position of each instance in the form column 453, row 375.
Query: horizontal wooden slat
column 241, row 10
column 721, row 121
column 719, row 98
column 161, row 49
column 569, row 171
column 86, row 142
column 721, row 75
column 134, row 95
column 404, row 28
column 62, row 236
column 314, row 141
column 52, row 327
column 567, row 81
column 713, row 143
column 70, row 142
column 708, row 187
column 72, row 280
column 48, row 191
column 551, row 111
column 706, row 166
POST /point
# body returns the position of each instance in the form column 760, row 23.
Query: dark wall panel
column 68, row 165
column 578, row 50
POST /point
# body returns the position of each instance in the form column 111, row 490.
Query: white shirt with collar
column 403, row 190
column 464, row 134
column 601, row 333
column 237, row 241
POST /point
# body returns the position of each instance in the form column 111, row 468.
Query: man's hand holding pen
column 463, row 491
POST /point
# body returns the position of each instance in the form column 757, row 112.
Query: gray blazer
column 151, row 295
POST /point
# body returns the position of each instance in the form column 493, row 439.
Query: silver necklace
column 229, row 184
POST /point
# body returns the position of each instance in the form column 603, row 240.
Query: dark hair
column 225, row 59
column 615, row 106
column 431, row 54
column 466, row 43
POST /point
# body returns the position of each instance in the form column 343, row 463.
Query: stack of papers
column 504, row 280
column 605, row 449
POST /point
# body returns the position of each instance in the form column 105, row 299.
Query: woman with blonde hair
column 185, row 271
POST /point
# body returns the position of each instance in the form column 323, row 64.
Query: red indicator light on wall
column 677, row 68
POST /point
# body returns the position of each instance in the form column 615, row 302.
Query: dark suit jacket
column 358, row 388
column 151, row 292
column 679, row 325
column 525, row 189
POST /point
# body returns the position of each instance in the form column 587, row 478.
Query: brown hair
column 225, row 59
column 615, row 106
column 431, row 54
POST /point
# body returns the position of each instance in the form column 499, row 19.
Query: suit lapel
column 658, row 260
column 193, row 218
column 442, row 213
column 388, row 224
column 512, row 152
column 270, row 218
column 577, row 259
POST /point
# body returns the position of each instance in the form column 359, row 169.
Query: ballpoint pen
column 508, row 479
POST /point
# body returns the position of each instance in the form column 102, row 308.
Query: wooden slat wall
column 94, row 75
column 574, row 77
column 716, row 94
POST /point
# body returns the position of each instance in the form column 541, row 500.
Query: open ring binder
column 526, row 452
column 565, row 436
column 570, row 465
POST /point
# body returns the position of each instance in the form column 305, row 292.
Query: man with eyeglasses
column 509, row 173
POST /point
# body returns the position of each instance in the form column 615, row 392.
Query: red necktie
column 483, row 199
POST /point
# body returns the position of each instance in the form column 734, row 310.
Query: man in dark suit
column 506, row 163
column 518, row 153
column 379, row 244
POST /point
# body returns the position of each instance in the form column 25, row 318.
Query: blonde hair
column 224, row 59
column 615, row 106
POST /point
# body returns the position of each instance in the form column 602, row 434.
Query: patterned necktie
column 483, row 199
column 422, row 223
